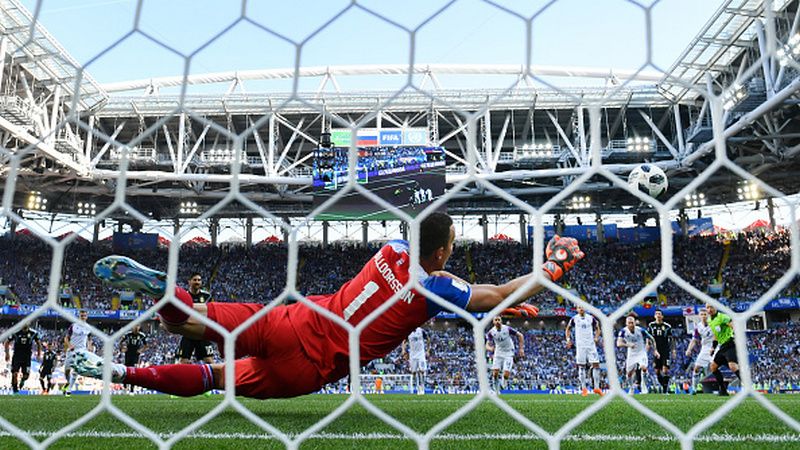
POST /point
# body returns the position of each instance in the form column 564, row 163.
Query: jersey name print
column 380, row 280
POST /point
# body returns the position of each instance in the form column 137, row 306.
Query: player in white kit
column 417, row 355
column 77, row 339
column 498, row 341
column 705, row 336
column 587, row 335
column 638, row 342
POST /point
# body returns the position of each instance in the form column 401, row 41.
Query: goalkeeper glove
column 524, row 310
column 562, row 254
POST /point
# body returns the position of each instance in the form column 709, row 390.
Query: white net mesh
column 711, row 73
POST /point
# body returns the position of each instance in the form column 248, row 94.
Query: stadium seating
column 611, row 273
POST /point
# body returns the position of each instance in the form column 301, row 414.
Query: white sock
column 504, row 382
column 582, row 376
column 596, row 377
column 73, row 378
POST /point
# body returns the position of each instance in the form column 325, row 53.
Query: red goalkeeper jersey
column 382, row 276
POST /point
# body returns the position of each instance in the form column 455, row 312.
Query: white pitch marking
column 714, row 437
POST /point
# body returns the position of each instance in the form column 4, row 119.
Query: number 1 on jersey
column 369, row 290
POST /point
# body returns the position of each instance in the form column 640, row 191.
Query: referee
column 200, row 349
column 726, row 348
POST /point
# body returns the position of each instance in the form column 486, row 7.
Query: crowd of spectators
column 611, row 273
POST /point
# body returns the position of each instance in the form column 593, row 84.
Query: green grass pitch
column 618, row 425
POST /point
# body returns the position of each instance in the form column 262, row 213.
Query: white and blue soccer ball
column 649, row 179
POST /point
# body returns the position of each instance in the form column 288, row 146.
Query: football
column 649, row 179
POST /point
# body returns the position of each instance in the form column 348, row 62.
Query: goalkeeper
column 293, row 349
column 725, row 346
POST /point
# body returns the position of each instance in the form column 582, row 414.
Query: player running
column 662, row 333
column 293, row 350
column 76, row 341
column 23, row 348
column 132, row 345
column 638, row 341
column 202, row 349
column 720, row 325
column 418, row 348
column 705, row 337
column 499, row 342
column 587, row 335
column 49, row 360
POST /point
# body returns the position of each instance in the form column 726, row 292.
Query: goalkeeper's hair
column 434, row 233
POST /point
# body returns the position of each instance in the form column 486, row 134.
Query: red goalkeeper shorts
column 272, row 361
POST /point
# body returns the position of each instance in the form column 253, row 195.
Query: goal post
column 387, row 384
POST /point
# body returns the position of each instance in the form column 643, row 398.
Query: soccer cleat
column 598, row 391
column 90, row 365
column 125, row 273
column 584, row 392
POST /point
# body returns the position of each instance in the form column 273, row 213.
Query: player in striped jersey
column 23, row 349
column 662, row 334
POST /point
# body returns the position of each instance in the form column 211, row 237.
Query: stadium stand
column 237, row 273
column 614, row 273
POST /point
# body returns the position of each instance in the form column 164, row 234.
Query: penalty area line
column 712, row 437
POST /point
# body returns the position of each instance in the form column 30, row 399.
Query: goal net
column 232, row 151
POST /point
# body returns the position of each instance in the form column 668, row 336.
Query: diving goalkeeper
column 293, row 350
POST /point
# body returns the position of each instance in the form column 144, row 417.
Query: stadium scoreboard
column 407, row 177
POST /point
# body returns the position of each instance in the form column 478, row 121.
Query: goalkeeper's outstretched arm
column 561, row 253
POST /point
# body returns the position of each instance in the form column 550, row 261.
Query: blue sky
column 596, row 33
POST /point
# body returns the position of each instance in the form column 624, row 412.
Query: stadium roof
column 634, row 102
column 32, row 47
column 728, row 34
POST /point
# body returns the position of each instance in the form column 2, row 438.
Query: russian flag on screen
column 367, row 140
